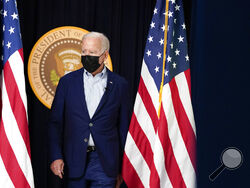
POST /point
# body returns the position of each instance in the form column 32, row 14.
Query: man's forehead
column 96, row 40
column 92, row 42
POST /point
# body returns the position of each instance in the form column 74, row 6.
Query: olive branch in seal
column 54, row 78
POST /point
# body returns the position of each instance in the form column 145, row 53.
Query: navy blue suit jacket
column 69, row 122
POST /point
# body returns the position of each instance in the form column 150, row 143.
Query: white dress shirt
column 94, row 88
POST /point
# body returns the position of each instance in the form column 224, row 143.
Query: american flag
column 160, row 147
column 15, row 160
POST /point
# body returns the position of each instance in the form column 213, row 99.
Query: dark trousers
column 94, row 176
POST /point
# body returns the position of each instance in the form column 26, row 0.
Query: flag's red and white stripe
column 15, row 158
column 160, row 151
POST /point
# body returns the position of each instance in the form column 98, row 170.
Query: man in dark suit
column 89, row 120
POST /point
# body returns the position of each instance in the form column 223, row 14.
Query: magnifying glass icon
column 231, row 159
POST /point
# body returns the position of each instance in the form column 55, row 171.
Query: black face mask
column 90, row 63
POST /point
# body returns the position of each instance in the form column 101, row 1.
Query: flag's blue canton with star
column 177, row 59
column 11, row 38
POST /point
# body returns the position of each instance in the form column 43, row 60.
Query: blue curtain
column 219, row 49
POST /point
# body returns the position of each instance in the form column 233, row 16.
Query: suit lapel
column 80, row 84
column 110, row 84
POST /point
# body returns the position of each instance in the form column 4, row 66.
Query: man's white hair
column 104, row 39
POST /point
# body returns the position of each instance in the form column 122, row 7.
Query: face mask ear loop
column 101, row 55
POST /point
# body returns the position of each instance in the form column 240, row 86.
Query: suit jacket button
column 85, row 140
column 91, row 124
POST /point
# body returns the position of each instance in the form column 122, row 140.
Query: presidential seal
column 55, row 54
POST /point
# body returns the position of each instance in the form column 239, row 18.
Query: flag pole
column 164, row 56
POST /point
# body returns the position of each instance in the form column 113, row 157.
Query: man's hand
column 57, row 167
column 119, row 181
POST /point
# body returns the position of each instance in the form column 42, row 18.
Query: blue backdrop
column 219, row 49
